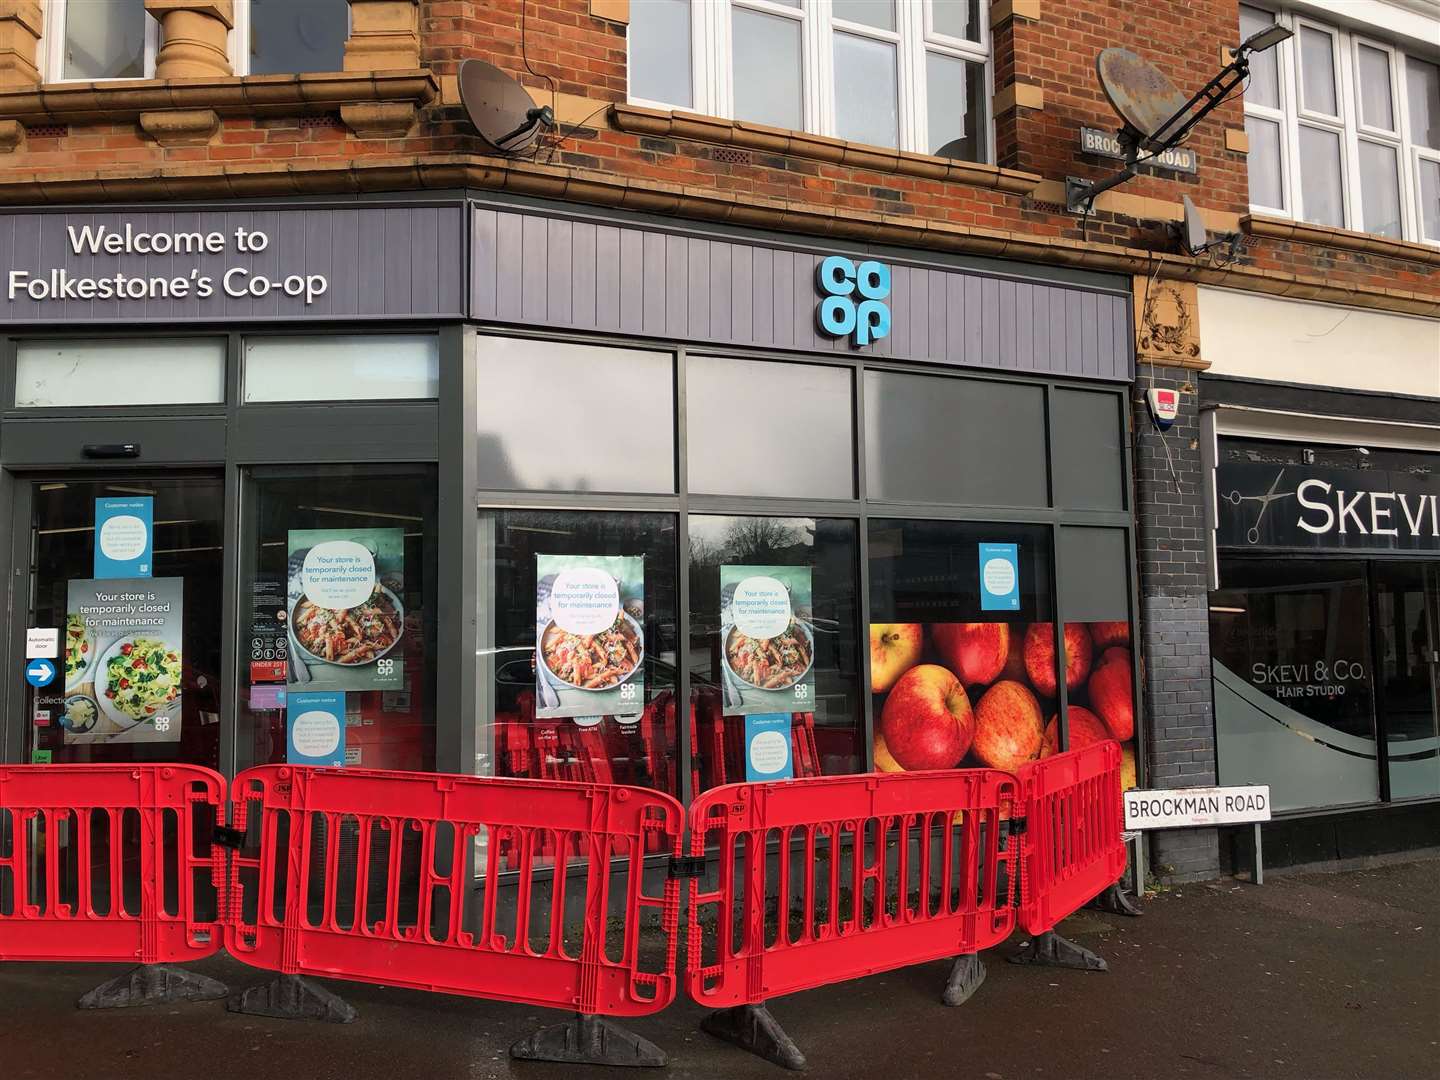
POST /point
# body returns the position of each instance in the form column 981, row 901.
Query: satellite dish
column 500, row 108
column 1139, row 92
column 1193, row 237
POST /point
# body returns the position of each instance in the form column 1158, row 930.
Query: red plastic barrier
column 828, row 879
column 1071, row 846
column 98, row 863
column 372, row 876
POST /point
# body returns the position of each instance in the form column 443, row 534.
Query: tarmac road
column 1316, row 977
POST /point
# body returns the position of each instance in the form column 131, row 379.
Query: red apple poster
column 986, row 694
column 767, row 639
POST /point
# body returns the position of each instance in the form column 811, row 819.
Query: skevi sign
column 853, row 299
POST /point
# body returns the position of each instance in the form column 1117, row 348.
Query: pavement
column 1311, row 976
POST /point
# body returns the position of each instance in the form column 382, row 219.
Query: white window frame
column 712, row 63
column 1292, row 116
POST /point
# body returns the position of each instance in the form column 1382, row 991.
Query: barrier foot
column 1051, row 950
column 965, row 978
column 1116, row 901
column 153, row 984
column 751, row 1027
column 289, row 997
column 589, row 1040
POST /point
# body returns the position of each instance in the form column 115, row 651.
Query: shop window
column 762, row 428
column 962, row 643
column 775, row 683
column 338, row 616
column 376, row 367
column 1089, row 455
column 129, row 571
column 834, row 67
column 577, row 653
column 933, row 439
column 561, row 417
column 56, row 373
column 1407, row 673
column 1294, row 684
column 286, row 37
column 1099, row 651
column 1330, row 143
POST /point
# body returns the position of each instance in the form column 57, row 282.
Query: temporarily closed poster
column 589, row 635
column 123, row 660
column 347, row 617
column 767, row 641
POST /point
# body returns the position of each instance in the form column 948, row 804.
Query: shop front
column 521, row 490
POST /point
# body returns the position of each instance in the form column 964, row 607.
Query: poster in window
column 344, row 596
column 123, row 660
column 767, row 639
column 124, row 530
column 589, row 635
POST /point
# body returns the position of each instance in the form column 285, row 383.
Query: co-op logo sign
column 853, row 303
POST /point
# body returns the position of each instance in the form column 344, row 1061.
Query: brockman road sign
column 1179, row 808
column 1179, row 159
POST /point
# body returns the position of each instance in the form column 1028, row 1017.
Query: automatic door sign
column 39, row 672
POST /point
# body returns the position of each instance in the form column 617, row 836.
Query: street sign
column 39, row 672
column 1180, row 159
column 1180, row 808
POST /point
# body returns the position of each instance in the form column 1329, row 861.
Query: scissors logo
column 1252, row 534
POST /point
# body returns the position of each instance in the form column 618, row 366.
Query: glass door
column 123, row 576
column 1407, row 629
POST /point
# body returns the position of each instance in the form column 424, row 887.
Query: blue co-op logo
column 842, row 312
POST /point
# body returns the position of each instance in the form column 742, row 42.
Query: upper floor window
column 91, row 40
column 910, row 74
column 1344, row 130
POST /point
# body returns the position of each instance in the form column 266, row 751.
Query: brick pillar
column 20, row 23
column 384, row 36
column 1014, row 35
column 1174, row 616
column 193, row 38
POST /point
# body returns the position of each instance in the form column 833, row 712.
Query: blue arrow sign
column 39, row 672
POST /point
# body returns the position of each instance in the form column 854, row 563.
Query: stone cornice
column 289, row 95
column 1302, row 232
column 767, row 140
column 208, row 180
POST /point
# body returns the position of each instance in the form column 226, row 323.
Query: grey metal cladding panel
column 648, row 281
column 398, row 262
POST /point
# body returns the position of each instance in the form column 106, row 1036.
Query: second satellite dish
column 1139, row 92
column 500, row 108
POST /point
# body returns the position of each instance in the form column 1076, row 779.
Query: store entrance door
column 1407, row 625
column 120, row 581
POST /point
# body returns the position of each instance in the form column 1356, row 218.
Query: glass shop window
column 962, row 644
column 337, row 598
column 351, row 367
column 1294, row 687
column 775, row 680
column 1099, row 653
column 54, row 373
column 577, row 652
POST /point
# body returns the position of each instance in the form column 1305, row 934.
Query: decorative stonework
column 181, row 127
column 379, row 119
column 12, row 136
column 193, row 38
column 384, row 36
column 20, row 28
column 1167, row 327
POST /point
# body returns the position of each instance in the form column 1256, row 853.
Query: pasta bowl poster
column 346, row 609
column 589, row 635
column 123, row 660
column 767, row 643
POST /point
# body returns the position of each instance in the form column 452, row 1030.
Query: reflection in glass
column 1321, row 193
column 635, row 748
column 561, row 417
column 1289, row 642
column 962, row 675
column 1263, row 161
column 866, row 105
column 106, row 41
column 1264, row 85
column 762, row 428
column 659, row 38
column 767, row 69
column 342, row 367
column 956, row 18
column 288, row 37
column 1317, row 69
column 1376, row 109
column 1379, row 188
column 816, row 560
column 1422, row 93
column 53, row 372
column 955, row 105
column 1407, row 676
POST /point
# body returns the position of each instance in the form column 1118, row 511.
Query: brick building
column 394, row 308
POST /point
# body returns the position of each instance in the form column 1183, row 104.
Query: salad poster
column 767, row 641
column 123, row 660
column 589, row 635
column 345, row 597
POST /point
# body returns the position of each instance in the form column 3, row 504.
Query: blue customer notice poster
column 315, row 727
column 767, row 747
column 999, row 577
column 124, row 540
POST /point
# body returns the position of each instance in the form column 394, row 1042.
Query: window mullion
column 819, row 80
